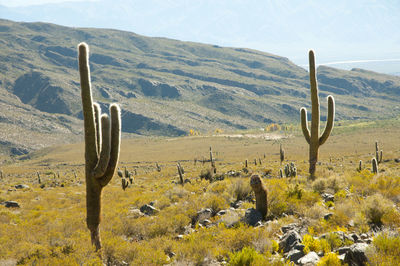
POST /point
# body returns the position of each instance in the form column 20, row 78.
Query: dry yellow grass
column 49, row 228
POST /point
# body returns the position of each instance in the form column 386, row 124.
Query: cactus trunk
column 313, row 138
column 102, row 144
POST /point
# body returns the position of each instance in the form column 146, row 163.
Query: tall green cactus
column 314, row 139
column 102, row 145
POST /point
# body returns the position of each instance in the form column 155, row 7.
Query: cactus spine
column 102, row 146
column 313, row 138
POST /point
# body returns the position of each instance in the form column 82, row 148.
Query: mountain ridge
column 167, row 87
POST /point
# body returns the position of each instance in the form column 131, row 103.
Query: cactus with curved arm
column 102, row 146
column 313, row 138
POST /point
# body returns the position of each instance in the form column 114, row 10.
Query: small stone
column 328, row 216
column 148, row 209
column 356, row 254
column 258, row 224
column 343, row 250
column 289, row 240
column 310, row 259
column 355, row 237
column 288, row 227
column 179, row 237
column 221, row 212
column 236, row 204
column 299, row 247
column 206, row 222
column 364, row 236
column 11, row 204
column 135, row 213
column 21, row 186
column 202, row 215
column 252, row 217
column 294, row 255
column 328, row 197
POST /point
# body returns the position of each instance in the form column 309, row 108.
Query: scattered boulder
column 289, row 227
column 328, row 216
column 252, row 217
column 310, row 259
column 294, row 255
column 148, row 209
column 202, row 215
column 343, row 250
column 11, row 204
column 236, row 204
column 289, row 240
column 229, row 217
column 135, row 213
column 356, row 255
column 221, row 212
column 328, row 197
column 21, row 186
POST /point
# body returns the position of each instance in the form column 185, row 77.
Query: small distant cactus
column 102, row 146
column 313, row 138
column 255, row 161
column 181, row 167
column 180, row 173
column 212, row 161
column 261, row 194
column 359, row 166
column 38, row 176
column 378, row 154
column 280, row 173
column 158, row 167
column 281, row 153
column 245, row 164
column 290, row 170
column 126, row 178
column 124, row 183
column 259, row 161
column 374, row 163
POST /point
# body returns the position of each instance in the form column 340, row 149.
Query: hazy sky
column 364, row 32
column 15, row 3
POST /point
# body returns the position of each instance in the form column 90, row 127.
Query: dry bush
column 319, row 185
column 240, row 190
column 376, row 207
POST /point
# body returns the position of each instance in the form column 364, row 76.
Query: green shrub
column 376, row 207
column 385, row 250
column 240, row 190
column 248, row 256
column 330, row 259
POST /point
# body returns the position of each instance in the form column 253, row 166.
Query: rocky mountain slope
column 164, row 86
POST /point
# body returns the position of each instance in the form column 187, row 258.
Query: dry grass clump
column 385, row 249
column 378, row 211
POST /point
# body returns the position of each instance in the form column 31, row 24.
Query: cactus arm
column 97, row 121
column 115, row 113
column 330, row 120
column 314, row 99
column 87, row 103
column 105, row 148
column 304, row 124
